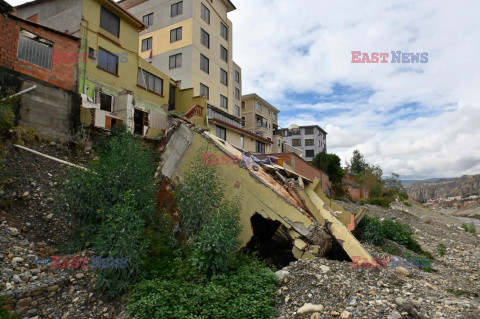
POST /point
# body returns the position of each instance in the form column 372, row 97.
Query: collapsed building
column 283, row 213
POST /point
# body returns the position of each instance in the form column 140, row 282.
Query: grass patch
column 461, row 292
column 245, row 291
column 441, row 249
column 470, row 228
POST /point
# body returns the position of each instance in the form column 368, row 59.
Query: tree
column 330, row 164
column 357, row 163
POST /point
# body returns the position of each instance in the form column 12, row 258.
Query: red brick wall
column 62, row 74
column 304, row 168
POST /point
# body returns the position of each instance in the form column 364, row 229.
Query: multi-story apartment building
column 261, row 117
column 310, row 139
column 192, row 41
column 117, row 86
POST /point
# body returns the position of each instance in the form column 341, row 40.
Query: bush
column 442, row 249
column 120, row 236
column 123, row 165
column 407, row 203
column 200, row 195
column 245, row 292
column 4, row 314
column 380, row 201
column 208, row 221
column 470, row 227
column 218, row 240
column 373, row 231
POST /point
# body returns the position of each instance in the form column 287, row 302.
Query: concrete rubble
column 277, row 204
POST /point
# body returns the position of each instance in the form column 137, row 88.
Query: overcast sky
column 418, row 120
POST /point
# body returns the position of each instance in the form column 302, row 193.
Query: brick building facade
column 48, row 54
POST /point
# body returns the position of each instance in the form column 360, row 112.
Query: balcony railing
column 223, row 116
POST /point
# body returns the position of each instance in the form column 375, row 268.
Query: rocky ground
column 452, row 289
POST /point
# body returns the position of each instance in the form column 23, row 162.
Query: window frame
column 223, row 131
column 223, row 99
column 205, row 13
column 146, row 78
column 175, row 32
column 178, row 9
column 223, row 77
column 237, row 110
column 237, row 93
column 176, row 58
column 202, row 34
column 223, row 30
column 296, row 142
column 29, row 39
column 100, row 60
column 202, row 89
column 223, row 53
column 204, row 61
column 237, row 76
column 309, row 142
column 151, row 44
column 149, row 19
column 312, row 151
column 106, row 25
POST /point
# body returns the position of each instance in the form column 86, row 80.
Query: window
column 223, row 76
column 309, row 153
column 260, row 147
column 309, row 142
column 91, row 54
column 204, row 63
column 223, row 101
column 107, row 61
column 148, row 19
column 140, row 120
column 237, row 110
column 243, row 105
column 308, row 130
column 243, row 121
column 223, row 31
column 205, row 38
column 176, row 34
column 259, row 107
column 205, row 14
column 221, row 132
column 109, row 22
column 147, row 44
column 106, row 102
column 296, row 142
column 237, row 76
column 176, row 9
column 274, row 116
column 35, row 50
column 237, row 93
column 175, row 61
column 149, row 81
column 223, row 53
column 204, row 90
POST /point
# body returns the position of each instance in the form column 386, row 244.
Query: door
column 171, row 98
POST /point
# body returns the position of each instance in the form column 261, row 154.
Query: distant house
column 311, row 139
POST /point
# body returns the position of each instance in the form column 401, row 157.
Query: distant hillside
column 443, row 187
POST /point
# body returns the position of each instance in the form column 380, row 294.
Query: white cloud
column 419, row 120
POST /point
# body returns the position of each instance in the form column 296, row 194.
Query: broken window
column 140, row 119
column 149, row 81
column 106, row 102
column 34, row 49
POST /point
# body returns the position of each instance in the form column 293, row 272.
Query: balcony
column 214, row 113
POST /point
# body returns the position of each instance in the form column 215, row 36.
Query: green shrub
column 470, row 227
column 373, row 231
column 407, row 203
column 442, row 249
column 4, row 314
column 422, row 262
column 245, row 292
column 200, row 195
column 380, row 201
column 120, row 236
column 217, row 242
column 123, row 165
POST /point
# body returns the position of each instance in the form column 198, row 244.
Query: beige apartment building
column 261, row 117
column 191, row 41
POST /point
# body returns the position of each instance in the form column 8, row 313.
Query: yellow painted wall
column 161, row 38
